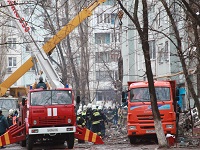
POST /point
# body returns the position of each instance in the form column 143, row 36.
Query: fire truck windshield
column 142, row 94
column 53, row 97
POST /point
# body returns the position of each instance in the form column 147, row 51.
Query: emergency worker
column 15, row 116
column 109, row 115
column 88, row 116
column 41, row 84
column 84, row 112
column 3, row 125
column 115, row 115
column 95, row 119
column 124, row 115
column 120, row 116
column 80, row 122
column 79, row 119
column 102, row 122
column 10, row 117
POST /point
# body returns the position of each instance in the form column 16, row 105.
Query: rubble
column 187, row 126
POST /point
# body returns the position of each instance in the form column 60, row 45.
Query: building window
column 12, row 61
column 113, row 18
column 152, row 49
column 107, row 75
column 115, row 37
column 109, row 2
column 99, row 96
column 32, row 68
column 46, row 39
column 28, row 48
column 166, row 51
column 102, row 57
column 114, row 55
column 102, row 76
column 160, row 54
column 28, row 10
column 106, row 95
column 12, row 43
column 107, row 18
column 102, row 38
column 64, row 21
column 47, row 3
column 99, row 18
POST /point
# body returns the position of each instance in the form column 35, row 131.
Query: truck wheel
column 29, row 142
column 70, row 140
column 22, row 143
column 132, row 139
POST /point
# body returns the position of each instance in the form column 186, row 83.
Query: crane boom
column 82, row 15
column 41, row 57
column 49, row 45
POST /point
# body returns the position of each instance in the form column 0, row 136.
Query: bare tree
column 142, row 29
column 2, row 55
column 64, row 48
column 181, row 54
column 192, row 10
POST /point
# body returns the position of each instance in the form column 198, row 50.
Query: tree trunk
column 181, row 56
column 143, row 33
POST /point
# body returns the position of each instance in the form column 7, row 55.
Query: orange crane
column 49, row 45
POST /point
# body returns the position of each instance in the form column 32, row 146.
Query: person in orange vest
column 15, row 116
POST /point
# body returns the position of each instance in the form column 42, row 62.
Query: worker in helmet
column 80, row 122
column 88, row 116
column 41, row 84
column 84, row 112
column 102, row 122
column 10, row 117
column 96, row 119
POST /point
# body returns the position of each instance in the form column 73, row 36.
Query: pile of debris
column 189, row 129
column 116, row 135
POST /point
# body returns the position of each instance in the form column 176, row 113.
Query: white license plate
column 52, row 130
column 150, row 131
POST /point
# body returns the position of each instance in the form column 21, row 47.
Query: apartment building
column 163, row 54
column 106, row 40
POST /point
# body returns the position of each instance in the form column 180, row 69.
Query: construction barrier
column 16, row 134
column 87, row 135
column 13, row 135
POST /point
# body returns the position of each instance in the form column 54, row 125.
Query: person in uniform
column 10, row 117
column 88, row 116
column 80, row 122
column 41, row 84
column 3, row 125
column 102, row 122
column 95, row 119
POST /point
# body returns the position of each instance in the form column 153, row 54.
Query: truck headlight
column 132, row 127
column 169, row 126
column 34, row 122
column 69, row 120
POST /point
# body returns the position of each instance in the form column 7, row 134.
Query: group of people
column 6, row 122
column 97, row 118
column 3, row 124
column 93, row 118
